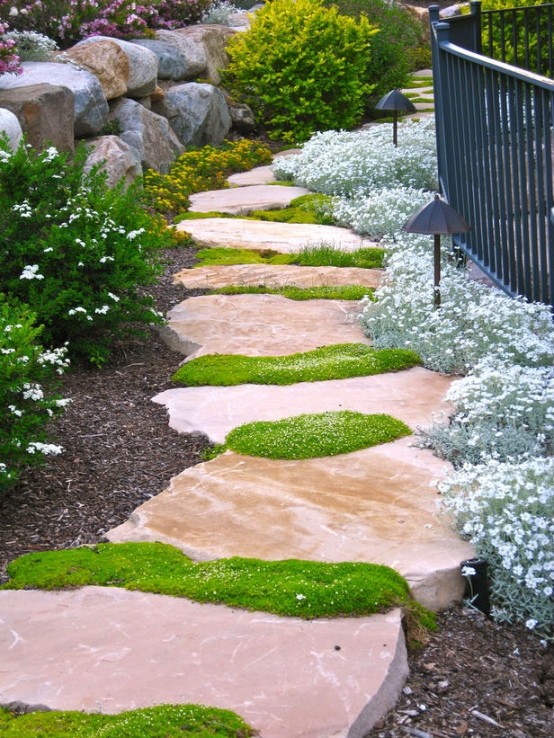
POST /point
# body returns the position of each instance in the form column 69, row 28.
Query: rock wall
column 136, row 103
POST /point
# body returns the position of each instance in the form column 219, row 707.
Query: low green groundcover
column 329, row 362
column 164, row 721
column 305, row 589
column 314, row 256
column 337, row 292
column 313, row 435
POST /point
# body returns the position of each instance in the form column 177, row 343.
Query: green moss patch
column 313, row 435
column 338, row 292
column 305, row 589
column 167, row 721
column 200, row 216
column 340, row 361
column 365, row 258
column 314, row 209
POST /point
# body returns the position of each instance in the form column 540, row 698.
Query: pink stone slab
column 243, row 200
column 256, row 176
column 377, row 505
column 276, row 275
column 109, row 650
column 287, row 238
column 415, row 396
column 260, row 325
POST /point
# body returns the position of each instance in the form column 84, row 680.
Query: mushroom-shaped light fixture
column 435, row 219
column 398, row 103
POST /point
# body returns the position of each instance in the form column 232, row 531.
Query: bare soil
column 473, row 678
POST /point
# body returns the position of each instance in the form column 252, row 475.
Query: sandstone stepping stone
column 243, row 200
column 276, row 275
column 376, row 505
column 107, row 650
column 259, row 325
column 256, row 176
column 413, row 396
column 287, row 238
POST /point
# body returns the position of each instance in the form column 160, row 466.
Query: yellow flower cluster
column 200, row 170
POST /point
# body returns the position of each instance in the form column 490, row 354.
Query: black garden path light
column 398, row 103
column 437, row 218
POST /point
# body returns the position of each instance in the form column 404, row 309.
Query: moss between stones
column 337, row 292
column 329, row 362
column 304, row 589
column 366, row 258
column 311, row 209
column 169, row 721
column 312, row 436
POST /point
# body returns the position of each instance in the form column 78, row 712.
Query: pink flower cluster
column 9, row 60
column 68, row 21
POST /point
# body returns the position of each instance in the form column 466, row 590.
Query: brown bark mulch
column 473, row 679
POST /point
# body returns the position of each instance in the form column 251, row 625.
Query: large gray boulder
column 198, row 113
column 115, row 157
column 191, row 50
column 9, row 124
column 172, row 64
column 214, row 38
column 143, row 65
column 45, row 113
column 149, row 134
column 90, row 104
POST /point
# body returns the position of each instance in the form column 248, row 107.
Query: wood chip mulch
column 473, row 679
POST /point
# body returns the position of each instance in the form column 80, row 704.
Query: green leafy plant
column 329, row 362
column 314, row 256
column 199, row 170
column 313, row 435
column 315, row 209
column 326, row 590
column 27, row 372
column 148, row 722
column 79, row 253
column 339, row 292
column 303, row 67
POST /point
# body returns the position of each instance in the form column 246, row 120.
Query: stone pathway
column 111, row 650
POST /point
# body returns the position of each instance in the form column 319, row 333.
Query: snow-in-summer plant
column 378, row 213
column 349, row 163
column 501, row 411
column 79, row 253
column 26, row 398
column 507, row 510
column 473, row 322
column 220, row 12
column 32, row 46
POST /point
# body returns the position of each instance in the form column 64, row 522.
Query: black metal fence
column 494, row 140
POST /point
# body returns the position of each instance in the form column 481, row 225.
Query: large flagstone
column 259, row 325
column 287, row 238
column 376, row 505
column 276, row 275
column 243, row 200
column 256, row 176
column 107, row 650
column 414, row 396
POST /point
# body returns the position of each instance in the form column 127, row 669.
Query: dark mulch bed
column 120, row 451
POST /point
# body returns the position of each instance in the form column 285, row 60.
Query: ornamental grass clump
column 506, row 509
column 27, row 399
column 351, row 163
column 79, row 253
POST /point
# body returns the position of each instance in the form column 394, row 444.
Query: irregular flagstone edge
column 243, row 200
column 276, row 275
column 94, row 649
column 376, row 505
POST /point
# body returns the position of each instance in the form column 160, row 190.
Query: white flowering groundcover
column 500, row 438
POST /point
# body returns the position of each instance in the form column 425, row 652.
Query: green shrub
column 391, row 49
column 200, row 170
column 26, row 372
column 74, row 250
column 303, row 67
